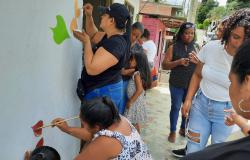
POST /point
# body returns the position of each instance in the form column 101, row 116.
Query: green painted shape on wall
column 60, row 32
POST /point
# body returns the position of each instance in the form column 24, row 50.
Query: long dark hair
column 99, row 111
column 146, row 34
column 240, row 18
column 143, row 67
column 183, row 27
column 241, row 62
column 45, row 153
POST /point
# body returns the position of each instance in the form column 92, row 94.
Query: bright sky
column 222, row 2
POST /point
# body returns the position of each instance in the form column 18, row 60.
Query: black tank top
column 180, row 76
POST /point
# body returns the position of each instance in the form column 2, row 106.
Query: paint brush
column 50, row 125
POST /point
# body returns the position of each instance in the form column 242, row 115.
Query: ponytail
column 127, row 39
column 108, row 102
column 128, row 31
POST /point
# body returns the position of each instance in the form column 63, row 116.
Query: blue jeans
column 125, row 95
column 178, row 96
column 113, row 91
column 206, row 118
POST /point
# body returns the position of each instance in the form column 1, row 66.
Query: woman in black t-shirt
column 101, row 74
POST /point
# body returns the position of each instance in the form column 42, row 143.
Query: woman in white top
column 149, row 47
column 211, row 81
column 239, row 92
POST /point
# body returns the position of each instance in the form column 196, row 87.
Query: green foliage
column 200, row 26
column 205, row 7
column 201, row 15
column 217, row 13
column 243, row 4
column 206, row 23
column 233, row 5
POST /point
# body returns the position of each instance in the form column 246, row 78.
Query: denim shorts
column 113, row 91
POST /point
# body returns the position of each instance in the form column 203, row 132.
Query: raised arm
column 90, row 26
column 98, row 62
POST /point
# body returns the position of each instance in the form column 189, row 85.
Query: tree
column 231, row 7
column 220, row 12
column 205, row 7
column 206, row 23
column 217, row 13
column 237, row 4
column 243, row 4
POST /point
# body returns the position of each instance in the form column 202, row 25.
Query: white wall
column 38, row 77
column 118, row 1
column 136, row 5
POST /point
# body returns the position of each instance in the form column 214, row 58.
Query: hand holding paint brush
column 62, row 123
column 38, row 128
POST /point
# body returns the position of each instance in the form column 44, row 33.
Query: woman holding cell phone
column 181, row 60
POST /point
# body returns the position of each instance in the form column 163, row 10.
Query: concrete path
column 156, row 130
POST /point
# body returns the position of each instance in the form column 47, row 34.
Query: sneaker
column 179, row 152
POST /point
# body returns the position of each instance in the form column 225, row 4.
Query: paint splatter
column 77, row 9
column 60, row 32
column 40, row 143
column 73, row 25
column 37, row 132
